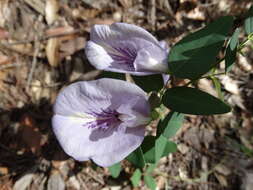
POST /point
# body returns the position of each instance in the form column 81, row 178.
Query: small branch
column 77, row 31
column 34, row 63
column 10, row 65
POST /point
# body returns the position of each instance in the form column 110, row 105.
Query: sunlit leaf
column 151, row 168
column 170, row 147
column 163, row 147
column 169, row 126
column 217, row 86
column 231, row 51
column 150, row 182
column 248, row 23
column 115, row 170
column 136, row 177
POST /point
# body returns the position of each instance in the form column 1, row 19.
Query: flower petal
column 84, row 97
column 164, row 45
column 119, row 31
column 97, row 55
column 104, row 147
column 118, row 46
column 151, row 59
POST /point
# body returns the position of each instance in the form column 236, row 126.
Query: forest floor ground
column 42, row 50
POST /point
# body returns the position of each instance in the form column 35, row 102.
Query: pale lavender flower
column 102, row 120
column 126, row 48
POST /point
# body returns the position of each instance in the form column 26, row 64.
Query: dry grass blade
column 51, row 10
column 52, row 51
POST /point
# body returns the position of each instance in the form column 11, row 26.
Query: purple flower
column 126, row 48
column 103, row 120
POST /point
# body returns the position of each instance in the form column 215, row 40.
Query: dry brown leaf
column 37, row 5
column 30, row 134
column 5, row 12
column 196, row 14
column 55, row 182
column 24, row 182
column 84, row 14
column 26, row 49
column 222, row 180
column 3, row 34
column 52, row 51
column 62, row 30
column 101, row 21
column 126, row 3
column 4, row 170
column 7, row 185
column 51, row 10
column 71, row 46
column 5, row 60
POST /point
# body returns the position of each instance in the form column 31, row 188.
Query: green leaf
column 230, row 56
column 217, row 86
column 137, row 158
column 196, row 53
column 170, row 147
column 193, row 101
column 169, row 126
column 115, row 170
column 148, row 149
column 151, row 168
column 149, row 83
column 163, row 147
column 107, row 74
column 234, row 39
column 150, row 182
column 248, row 23
column 136, row 177
column 160, row 146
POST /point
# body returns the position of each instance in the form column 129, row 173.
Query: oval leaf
column 136, row 177
column 248, row 23
column 115, row 170
column 107, row 74
column 150, row 182
column 196, row 54
column 230, row 56
column 148, row 149
column 193, row 101
column 149, row 83
column 137, row 158
column 169, row 126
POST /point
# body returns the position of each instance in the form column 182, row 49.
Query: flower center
column 103, row 120
column 124, row 54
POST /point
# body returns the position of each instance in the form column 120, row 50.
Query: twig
column 152, row 14
column 47, row 86
column 95, row 178
column 82, row 183
column 34, row 63
column 10, row 65
column 77, row 31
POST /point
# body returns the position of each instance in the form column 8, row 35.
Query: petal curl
column 151, row 59
column 97, row 55
column 120, row 31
